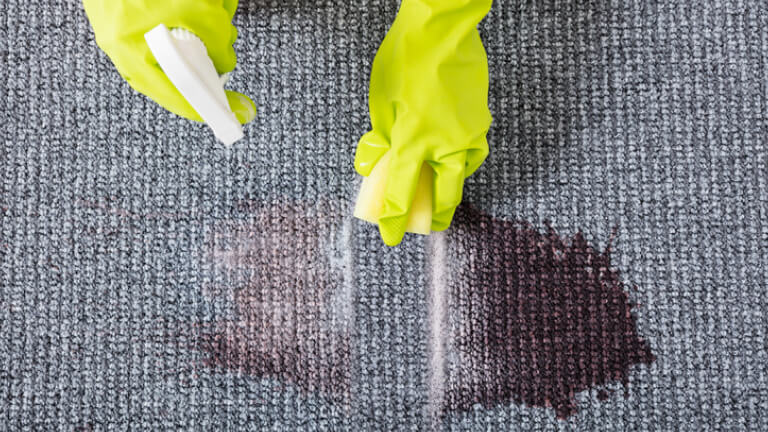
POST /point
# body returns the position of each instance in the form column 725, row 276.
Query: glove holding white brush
column 120, row 27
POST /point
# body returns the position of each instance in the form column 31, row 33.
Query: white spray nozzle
column 184, row 59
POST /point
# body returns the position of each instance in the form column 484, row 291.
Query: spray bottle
column 184, row 59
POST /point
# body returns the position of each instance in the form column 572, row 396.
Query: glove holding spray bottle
column 120, row 27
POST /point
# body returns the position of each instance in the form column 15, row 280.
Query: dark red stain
column 288, row 320
column 540, row 318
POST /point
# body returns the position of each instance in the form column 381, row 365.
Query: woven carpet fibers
column 606, row 272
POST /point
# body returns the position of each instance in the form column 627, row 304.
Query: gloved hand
column 428, row 103
column 120, row 26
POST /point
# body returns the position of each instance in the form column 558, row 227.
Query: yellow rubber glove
column 428, row 103
column 120, row 26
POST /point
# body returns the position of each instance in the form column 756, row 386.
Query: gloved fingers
column 231, row 7
column 402, row 181
column 223, row 55
column 447, row 190
column 476, row 155
column 166, row 95
column 214, row 27
column 242, row 106
column 152, row 82
column 370, row 149
column 149, row 79
column 233, row 36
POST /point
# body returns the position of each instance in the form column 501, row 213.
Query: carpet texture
column 606, row 272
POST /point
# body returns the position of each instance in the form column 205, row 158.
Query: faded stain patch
column 285, row 272
column 535, row 318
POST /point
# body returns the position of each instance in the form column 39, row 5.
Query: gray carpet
column 608, row 271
